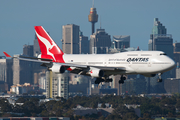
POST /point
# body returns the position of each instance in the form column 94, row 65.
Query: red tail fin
column 48, row 47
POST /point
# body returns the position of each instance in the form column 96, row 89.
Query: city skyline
column 134, row 18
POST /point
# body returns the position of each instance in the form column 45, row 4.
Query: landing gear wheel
column 159, row 80
column 123, row 78
column 121, row 81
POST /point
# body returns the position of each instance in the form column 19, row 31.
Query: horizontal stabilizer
column 7, row 55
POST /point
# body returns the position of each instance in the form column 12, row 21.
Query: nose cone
column 169, row 66
column 173, row 64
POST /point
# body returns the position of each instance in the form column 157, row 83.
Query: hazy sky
column 118, row 17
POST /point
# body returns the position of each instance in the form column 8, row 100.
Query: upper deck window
column 132, row 54
column 146, row 55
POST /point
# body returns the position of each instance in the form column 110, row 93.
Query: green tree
column 145, row 108
column 49, row 105
column 101, row 118
column 35, row 101
column 44, row 113
column 21, row 100
column 29, row 108
column 5, row 106
column 146, row 115
column 121, row 110
column 93, row 104
column 103, row 105
column 130, row 116
column 155, row 100
column 114, row 117
column 178, row 104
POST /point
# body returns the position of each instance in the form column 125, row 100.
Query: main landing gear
column 160, row 79
column 98, row 80
column 122, row 78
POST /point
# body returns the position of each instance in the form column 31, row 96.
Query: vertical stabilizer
column 48, row 47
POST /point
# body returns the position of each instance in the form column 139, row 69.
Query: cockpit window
column 163, row 54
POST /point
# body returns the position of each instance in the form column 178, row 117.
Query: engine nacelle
column 149, row 75
column 95, row 72
column 57, row 68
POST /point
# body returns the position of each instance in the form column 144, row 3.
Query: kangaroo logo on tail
column 49, row 48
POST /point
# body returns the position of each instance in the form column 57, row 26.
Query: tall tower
column 93, row 17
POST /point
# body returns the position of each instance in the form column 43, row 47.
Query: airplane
column 99, row 66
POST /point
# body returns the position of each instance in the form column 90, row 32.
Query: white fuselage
column 135, row 62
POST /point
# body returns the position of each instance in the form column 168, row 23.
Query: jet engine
column 58, row 68
column 95, row 72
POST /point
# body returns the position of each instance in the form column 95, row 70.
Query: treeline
column 168, row 106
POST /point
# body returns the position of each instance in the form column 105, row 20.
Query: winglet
column 7, row 55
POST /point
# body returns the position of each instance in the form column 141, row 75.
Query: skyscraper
column 176, row 47
column 6, row 73
column 160, row 41
column 100, row 42
column 42, row 81
column 36, row 47
column 28, row 50
column 83, row 44
column 70, row 39
column 57, row 85
column 22, row 71
column 177, row 58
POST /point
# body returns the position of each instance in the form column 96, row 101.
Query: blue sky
column 118, row 17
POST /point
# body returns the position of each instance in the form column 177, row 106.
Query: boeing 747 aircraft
column 100, row 66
